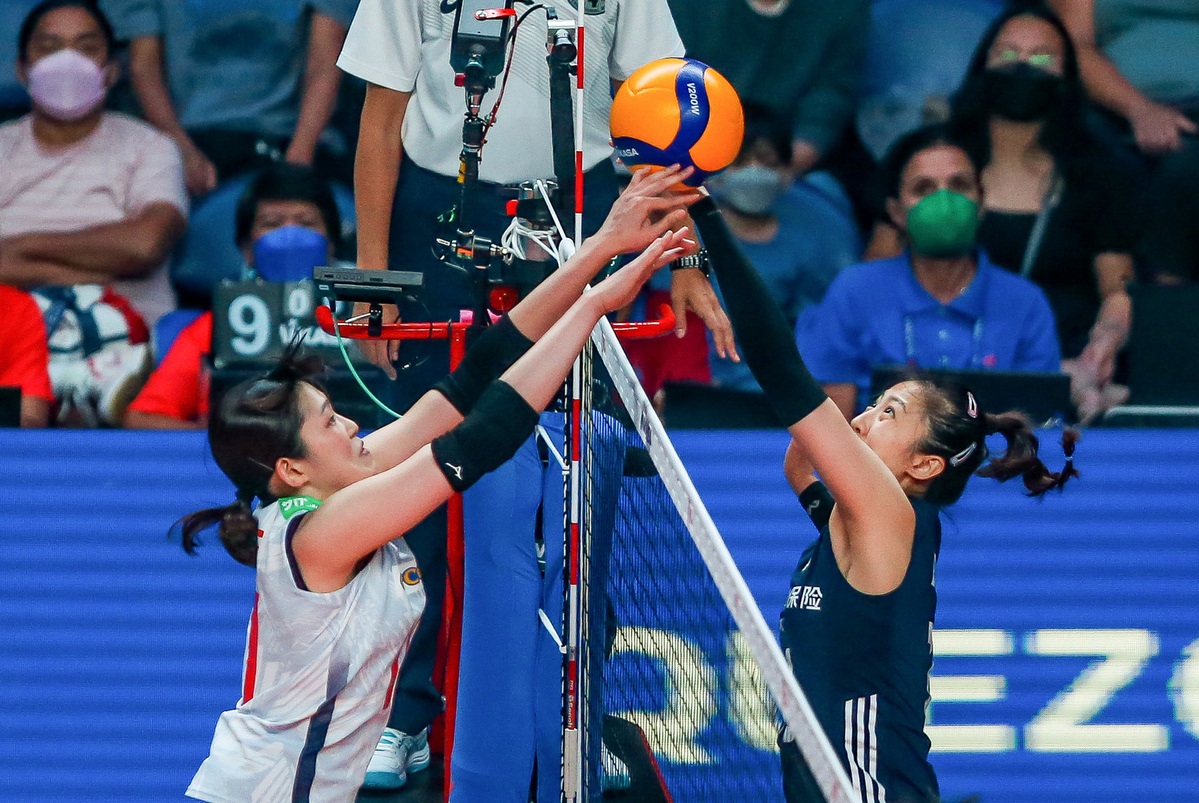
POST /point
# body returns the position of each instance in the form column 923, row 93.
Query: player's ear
column 291, row 473
column 926, row 467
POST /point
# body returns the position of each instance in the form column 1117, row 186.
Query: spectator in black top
column 1058, row 205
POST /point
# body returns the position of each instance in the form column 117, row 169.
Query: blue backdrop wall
column 1068, row 630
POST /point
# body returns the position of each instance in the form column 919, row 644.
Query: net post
column 452, row 604
column 573, row 741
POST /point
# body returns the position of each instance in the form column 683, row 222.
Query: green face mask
column 943, row 225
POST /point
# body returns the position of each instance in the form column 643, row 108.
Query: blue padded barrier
column 120, row 651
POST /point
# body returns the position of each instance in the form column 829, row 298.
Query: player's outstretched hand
column 647, row 208
column 622, row 287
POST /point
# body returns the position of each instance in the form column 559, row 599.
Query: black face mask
column 1020, row 92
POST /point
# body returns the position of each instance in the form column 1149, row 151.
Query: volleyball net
column 675, row 686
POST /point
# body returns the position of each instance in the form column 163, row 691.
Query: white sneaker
column 395, row 756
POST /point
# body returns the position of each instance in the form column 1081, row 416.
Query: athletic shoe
column 396, row 755
column 615, row 773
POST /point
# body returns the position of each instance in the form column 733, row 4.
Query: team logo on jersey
column 291, row 505
column 411, row 576
column 806, row 598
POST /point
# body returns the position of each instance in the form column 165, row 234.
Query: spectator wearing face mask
column 286, row 213
column 1059, row 206
column 798, row 236
column 87, row 196
column 941, row 303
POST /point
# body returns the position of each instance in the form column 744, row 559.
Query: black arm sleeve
column 492, row 353
column 818, row 503
column 766, row 341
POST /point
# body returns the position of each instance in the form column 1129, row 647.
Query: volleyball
column 677, row 111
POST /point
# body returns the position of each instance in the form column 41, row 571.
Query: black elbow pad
column 500, row 422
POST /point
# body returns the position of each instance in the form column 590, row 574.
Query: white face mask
column 66, row 85
column 754, row 190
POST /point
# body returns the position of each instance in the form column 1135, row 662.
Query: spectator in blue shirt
column 941, row 303
column 798, row 235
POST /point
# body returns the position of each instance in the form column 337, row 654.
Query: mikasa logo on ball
column 624, row 153
column 693, row 93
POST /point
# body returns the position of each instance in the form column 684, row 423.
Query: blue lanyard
column 909, row 343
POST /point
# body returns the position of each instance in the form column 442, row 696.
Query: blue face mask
column 289, row 253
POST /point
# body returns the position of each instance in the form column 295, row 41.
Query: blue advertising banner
column 1067, row 634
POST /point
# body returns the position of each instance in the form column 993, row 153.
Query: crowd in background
column 1054, row 160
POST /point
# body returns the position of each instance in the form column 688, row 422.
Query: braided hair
column 254, row 424
column 957, row 431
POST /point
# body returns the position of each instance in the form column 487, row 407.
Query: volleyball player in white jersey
column 338, row 591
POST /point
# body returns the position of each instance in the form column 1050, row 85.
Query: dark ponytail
column 253, row 425
column 237, row 526
column 957, row 431
column 1021, row 460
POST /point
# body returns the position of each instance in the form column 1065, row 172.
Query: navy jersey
column 864, row 660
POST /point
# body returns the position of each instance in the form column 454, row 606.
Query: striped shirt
column 319, row 674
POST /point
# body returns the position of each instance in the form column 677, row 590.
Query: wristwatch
column 697, row 260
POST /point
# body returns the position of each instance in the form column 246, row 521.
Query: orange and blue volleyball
column 677, row 111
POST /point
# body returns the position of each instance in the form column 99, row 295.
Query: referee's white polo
column 405, row 45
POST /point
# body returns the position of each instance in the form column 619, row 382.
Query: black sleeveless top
column 864, row 661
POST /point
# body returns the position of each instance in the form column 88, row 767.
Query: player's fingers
column 669, row 222
column 722, row 331
column 665, row 179
column 678, row 305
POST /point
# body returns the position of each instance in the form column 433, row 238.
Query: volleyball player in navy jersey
column 857, row 623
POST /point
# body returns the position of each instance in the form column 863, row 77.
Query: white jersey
column 319, row 675
column 405, row 45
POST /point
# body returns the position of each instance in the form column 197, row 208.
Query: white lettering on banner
column 690, row 688
column 690, row 684
column 969, row 689
column 1061, row 726
column 1184, row 689
column 751, row 708
column 250, row 321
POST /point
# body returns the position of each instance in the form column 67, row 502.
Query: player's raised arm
column 645, row 210
column 357, row 519
column 879, row 520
